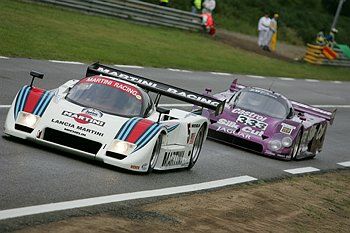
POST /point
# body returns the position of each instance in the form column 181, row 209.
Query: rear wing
column 158, row 87
column 328, row 115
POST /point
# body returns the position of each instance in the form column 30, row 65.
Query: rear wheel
column 155, row 154
column 197, row 146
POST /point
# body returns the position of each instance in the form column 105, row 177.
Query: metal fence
column 136, row 10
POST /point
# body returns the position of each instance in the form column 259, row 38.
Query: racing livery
column 109, row 116
column 268, row 123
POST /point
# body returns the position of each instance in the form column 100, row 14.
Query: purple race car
column 268, row 123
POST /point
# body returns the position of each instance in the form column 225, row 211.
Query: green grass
column 45, row 32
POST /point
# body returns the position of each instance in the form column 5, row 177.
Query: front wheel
column 296, row 146
column 197, row 146
column 155, row 154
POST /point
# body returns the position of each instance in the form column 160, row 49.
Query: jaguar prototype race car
column 268, row 123
column 109, row 116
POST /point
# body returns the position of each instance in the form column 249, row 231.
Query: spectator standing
column 208, row 6
column 163, row 2
column 273, row 32
column 196, row 6
column 263, row 29
column 330, row 38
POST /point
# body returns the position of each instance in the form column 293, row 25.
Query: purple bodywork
column 274, row 126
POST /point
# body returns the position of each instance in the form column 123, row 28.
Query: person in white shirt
column 208, row 6
column 263, row 28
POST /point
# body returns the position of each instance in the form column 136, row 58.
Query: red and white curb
column 39, row 209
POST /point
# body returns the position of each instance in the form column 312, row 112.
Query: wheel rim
column 155, row 153
column 197, row 146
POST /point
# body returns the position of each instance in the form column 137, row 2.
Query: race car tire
column 155, row 154
column 197, row 146
column 296, row 146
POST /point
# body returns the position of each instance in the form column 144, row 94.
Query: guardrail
column 315, row 55
column 136, row 10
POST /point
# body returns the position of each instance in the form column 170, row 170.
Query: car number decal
column 251, row 122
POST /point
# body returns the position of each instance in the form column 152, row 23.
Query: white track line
column 337, row 82
column 5, row 106
column 256, row 76
column 219, row 73
column 178, row 70
column 67, row 62
column 286, row 79
column 302, row 170
column 30, row 210
column 312, row 80
column 128, row 66
column 2, row 57
column 344, row 164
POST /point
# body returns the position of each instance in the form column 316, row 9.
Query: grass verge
column 45, row 32
column 311, row 203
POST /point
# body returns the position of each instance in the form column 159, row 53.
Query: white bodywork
column 179, row 132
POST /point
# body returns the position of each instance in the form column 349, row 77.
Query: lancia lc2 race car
column 267, row 123
column 109, row 116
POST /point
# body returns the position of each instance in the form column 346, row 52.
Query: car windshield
column 266, row 104
column 108, row 96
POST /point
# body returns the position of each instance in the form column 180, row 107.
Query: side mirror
column 162, row 111
column 34, row 75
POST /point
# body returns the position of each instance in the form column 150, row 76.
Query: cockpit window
column 107, row 95
column 266, row 104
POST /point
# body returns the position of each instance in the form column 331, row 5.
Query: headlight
column 287, row 141
column 121, row 147
column 27, row 119
column 275, row 145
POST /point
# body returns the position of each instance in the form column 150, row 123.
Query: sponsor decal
column 173, row 158
column 249, row 114
column 192, row 96
column 263, row 92
column 228, row 123
column 195, row 125
column 126, row 77
column 92, row 112
column 251, row 122
column 69, row 127
column 233, row 132
column 131, row 90
column 171, row 128
column 287, row 129
column 83, row 118
column 134, row 167
column 249, row 130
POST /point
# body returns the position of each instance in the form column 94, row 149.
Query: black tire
column 197, row 146
column 155, row 154
column 296, row 146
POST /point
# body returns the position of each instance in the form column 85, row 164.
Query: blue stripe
column 149, row 131
column 172, row 127
column 149, row 137
column 123, row 128
column 40, row 103
column 46, row 103
column 18, row 100
column 128, row 130
column 23, row 99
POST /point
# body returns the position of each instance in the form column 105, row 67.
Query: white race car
column 109, row 116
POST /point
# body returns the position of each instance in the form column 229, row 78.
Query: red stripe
column 138, row 130
column 32, row 99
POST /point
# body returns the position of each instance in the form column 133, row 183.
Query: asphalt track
column 31, row 175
